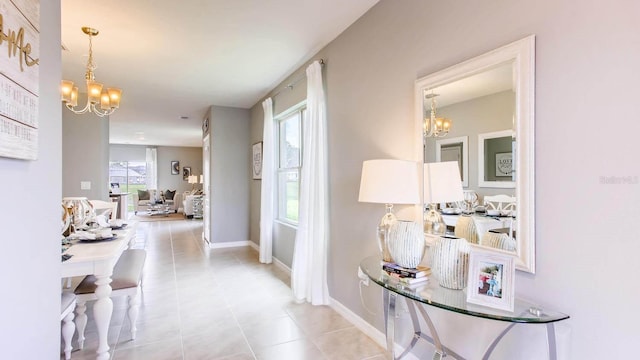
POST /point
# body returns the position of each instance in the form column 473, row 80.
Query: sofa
column 143, row 198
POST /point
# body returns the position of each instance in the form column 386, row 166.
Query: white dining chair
column 67, row 305
column 499, row 202
column 466, row 228
column 105, row 205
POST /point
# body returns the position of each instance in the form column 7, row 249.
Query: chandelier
column 435, row 126
column 109, row 99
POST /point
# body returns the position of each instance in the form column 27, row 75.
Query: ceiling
column 174, row 59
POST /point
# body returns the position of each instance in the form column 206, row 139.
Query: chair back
column 111, row 205
column 500, row 202
column 466, row 228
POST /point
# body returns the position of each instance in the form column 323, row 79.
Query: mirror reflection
column 488, row 104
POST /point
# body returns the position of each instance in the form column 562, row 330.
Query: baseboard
column 222, row 245
column 369, row 330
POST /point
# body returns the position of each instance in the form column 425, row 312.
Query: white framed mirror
column 490, row 97
column 455, row 149
column 495, row 160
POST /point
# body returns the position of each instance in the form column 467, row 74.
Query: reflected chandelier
column 109, row 99
column 435, row 126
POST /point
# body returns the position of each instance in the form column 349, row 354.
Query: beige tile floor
column 199, row 303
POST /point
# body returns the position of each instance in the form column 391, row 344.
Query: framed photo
column 504, row 164
column 186, row 172
column 491, row 278
column 175, row 167
column 256, row 161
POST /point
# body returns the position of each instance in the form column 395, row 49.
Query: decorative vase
column 81, row 211
column 450, row 261
column 66, row 220
column 406, row 243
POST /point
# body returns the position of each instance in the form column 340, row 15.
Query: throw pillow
column 143, row 195
column 168, row 195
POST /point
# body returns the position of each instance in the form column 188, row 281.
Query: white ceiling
column 176, row 58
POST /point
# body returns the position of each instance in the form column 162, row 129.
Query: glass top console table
column 453, row 300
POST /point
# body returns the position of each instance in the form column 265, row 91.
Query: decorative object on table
column 409, row 282
column 434, row 126
column 186, row 172
column 66, row 220
column 450, row 261
column 441, row 184
column 466, row 228
column 417, row 272
column 491, row 278
column 175, row 167
column 406, row 243
column 388, row 181
column 256, row 163
column 469, row 201
column 108, row 99
column 81, row 211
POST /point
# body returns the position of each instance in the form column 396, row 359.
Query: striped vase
column 450, row 262
column 406, row 243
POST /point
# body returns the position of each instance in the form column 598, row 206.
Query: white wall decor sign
column 19, row 70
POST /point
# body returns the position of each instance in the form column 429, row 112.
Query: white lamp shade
column 193, row 179
column 390, row 181
column 442, row 182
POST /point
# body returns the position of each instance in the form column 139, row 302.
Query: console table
column 452, row 300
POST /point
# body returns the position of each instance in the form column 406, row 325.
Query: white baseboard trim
column 222, row 245
column 358, row 322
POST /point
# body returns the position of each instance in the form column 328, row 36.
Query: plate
column 113, row 227
column 450, row 211
column 99, row 239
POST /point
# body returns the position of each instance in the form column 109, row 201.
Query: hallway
column 199, row 303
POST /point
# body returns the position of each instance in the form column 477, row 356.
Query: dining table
column 483, row 222
column 98, row 257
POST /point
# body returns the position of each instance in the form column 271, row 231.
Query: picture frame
column 491, row 278
column 186, row 172
column 175, row 167
column 504, row 164
column 256, row 161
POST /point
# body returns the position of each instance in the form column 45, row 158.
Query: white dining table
column 98, row 258
column 483, row 223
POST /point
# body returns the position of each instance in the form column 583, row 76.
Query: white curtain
column 267, row 190
column 309, row 269
column 152, row 169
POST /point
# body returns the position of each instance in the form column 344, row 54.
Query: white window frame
column 281, row 201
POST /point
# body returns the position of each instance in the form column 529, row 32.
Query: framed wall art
column 491, row 278
column 256, row 161
column 175, row 167
column 186, row 172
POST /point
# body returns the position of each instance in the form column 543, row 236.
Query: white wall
column 30, row 222
column 586, row 125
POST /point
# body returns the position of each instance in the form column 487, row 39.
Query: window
column 289, row 163
column 130, row 175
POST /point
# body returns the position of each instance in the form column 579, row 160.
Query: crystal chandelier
column 435, row 126
column 109, row 99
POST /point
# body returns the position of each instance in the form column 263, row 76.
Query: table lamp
column 389, row 181
column 441, row 184
column 193, row 179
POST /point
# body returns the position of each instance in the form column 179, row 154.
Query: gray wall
column 469, row 118
column 188, row 156
column 30, row 221
column 581, row 269
column 230, row 174
column 85, row 154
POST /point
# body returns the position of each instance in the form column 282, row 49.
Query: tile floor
column 199, row 303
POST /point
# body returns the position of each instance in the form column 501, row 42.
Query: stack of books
column 406, row 276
